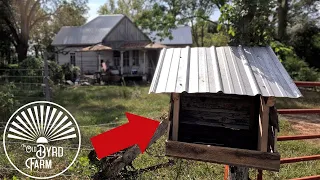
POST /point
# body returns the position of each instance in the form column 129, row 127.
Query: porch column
column 144, row 62
column 121, row 62
column 99, row 60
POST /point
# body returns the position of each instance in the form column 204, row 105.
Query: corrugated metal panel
column 231, row 70
column 92, row 32
column 181, row 35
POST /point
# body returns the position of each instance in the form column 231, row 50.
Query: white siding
column 86, row 61
column 89, row 63
column 65, row 58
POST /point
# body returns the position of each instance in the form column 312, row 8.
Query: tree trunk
column 282, row 18
column 194, row 33
column 244, row 26
column 36, row 51
column 202, row 35
column 238, row 173
column 22, row 50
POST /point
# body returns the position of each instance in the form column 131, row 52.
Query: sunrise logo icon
column 42, row 128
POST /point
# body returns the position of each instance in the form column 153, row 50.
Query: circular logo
column 41, row 140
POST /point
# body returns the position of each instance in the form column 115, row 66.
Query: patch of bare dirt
column 305, row 124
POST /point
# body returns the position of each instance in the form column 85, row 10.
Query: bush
column 282, row 50
column 70, row 72
column 299, row 69
column 7, row 101
column 55, row 72
column 219, row 39
column 31, row 63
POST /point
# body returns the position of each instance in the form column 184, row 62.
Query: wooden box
column 220, row 128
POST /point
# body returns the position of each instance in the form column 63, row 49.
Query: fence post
column 46, row 77
column 238, row 173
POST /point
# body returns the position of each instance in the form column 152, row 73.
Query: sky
column 95, row 4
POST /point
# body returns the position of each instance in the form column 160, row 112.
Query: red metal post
column 308, row 178
column 307, row 83
column 259, row 177
column 298, row 111
column 226, row 172
column 299, row 159
column 299, row 137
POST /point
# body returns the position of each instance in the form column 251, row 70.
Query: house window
column 73, row 59
column 135, row 57
column 126, row 58
column 116, row 58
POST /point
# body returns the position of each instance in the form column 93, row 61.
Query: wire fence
column 21, row 86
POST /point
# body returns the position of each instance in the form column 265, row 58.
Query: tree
column 22, row 17
column 247, row 21
column 283, row 7
column 5, row 40
column 68, row 14
column 306, row 42
column 131, row 8
column 290, row 12
column 168, row 14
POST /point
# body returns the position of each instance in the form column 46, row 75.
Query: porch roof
column 128, row 46
column 143, row 45
column 97, row 47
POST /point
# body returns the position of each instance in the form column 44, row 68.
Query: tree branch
column 32, row 12
column 201, row 17
column 12, row 30
column 41, row 18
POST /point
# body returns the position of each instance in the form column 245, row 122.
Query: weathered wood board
column 224, row 155
column 220, row 110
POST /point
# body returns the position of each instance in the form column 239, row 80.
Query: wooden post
column 46, row 77
column 264, row 127
column 144, row 62
column 175, row 123
column 81, row 65
column 121, row 62
column 238, row 173
column 99, row 62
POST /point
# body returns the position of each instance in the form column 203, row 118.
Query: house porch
column 129, row 62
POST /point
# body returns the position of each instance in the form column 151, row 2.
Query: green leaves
column 131, row 8
column 168, row 14
column 247, row 22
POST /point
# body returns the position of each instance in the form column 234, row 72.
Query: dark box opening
column 219, row 120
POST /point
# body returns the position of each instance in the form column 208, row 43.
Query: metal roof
column 181, row 35
column 92, row 32
column 231, row 70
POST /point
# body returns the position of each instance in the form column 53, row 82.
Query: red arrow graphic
column 139, row 130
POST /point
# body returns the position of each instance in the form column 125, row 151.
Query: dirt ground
column 305, row 124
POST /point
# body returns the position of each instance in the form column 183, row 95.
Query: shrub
column 55, row 72
column 299, row 69
column 70, row 72
column 282, row 50
column 219, row 39
column 31, row 63
column 7, row 101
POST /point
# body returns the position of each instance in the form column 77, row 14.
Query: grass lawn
column 106, row 105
